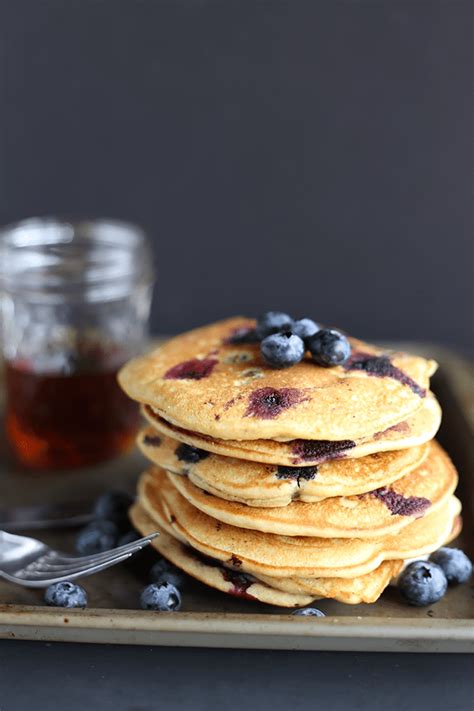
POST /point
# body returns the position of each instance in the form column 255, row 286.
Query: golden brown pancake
column 201, row 382
column 286, row 556
column 258, row 484
column 352, row 591
column 416, row 430
column 213, row 573
column 382, row 512
column 285, row 592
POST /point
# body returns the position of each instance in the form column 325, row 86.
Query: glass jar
column 75, row 298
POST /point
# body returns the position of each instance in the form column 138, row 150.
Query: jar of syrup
column 75, row 299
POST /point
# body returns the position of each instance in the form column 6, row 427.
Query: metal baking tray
column 212, row 619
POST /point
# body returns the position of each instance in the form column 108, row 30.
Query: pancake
column 416, row 430
column 365, row 588
column 201, row 382
column 379, row 513
column 352, row 591
column 286, row 556
column 214, row 574
column 265, row 485
column 285, row 592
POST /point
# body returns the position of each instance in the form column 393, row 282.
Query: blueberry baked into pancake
column 290, row 462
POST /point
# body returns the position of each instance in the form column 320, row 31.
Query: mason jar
column 75, row 299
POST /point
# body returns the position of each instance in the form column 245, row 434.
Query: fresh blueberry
column 273, row 322
column 114, row 506
column 329, row 347
column 164, row 572
column 165, row 598
column 304, row 328
column 128, row 537
column 65, row 594
column 309, row 611
column 281, row 350
column 422, row 583
column 97, row 537
column 455, row 564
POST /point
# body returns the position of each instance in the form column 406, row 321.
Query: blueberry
column 455, row 564
column 304, row 328
column 97, row 537
column 329, row 347
column 308, row 612
column 272, row 322
column 190, row 454
column 282, row 349
column 422, row 583
column 65, row 594
column 114, row 506
column 164, row 572
column 165, row 598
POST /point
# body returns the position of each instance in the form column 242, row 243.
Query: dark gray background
column 311, row 156
column 66, row 677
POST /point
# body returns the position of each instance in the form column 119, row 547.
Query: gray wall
column 311, row 156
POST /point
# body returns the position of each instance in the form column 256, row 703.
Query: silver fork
column 33, row 564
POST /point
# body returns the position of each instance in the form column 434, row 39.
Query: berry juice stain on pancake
column 267, row 403
column 152, row 440
column 402, row 427
column 382, row 367
column 297, row 473
column 400, row 505
column 193, row 369
column 192, row 455
column 316, row 450
column 240, row 583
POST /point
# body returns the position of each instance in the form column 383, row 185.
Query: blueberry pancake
column 286, row 556
column 284, row 592
column 352, row 591
column 417, row 429
column 205, row 382
column 257, row 484
column 291, row 462
column 212, row 572
column 381, row 512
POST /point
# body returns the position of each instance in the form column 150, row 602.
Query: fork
column 31, row 563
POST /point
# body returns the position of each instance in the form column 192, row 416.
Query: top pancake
column 201, row 382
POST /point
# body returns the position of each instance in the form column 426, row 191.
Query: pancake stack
column 289, row 485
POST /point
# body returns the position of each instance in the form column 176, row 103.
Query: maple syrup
column 61, row 421
column 74, row 302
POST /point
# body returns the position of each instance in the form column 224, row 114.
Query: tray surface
column 210, row 618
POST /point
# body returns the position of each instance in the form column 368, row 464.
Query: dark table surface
column 53, row 676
